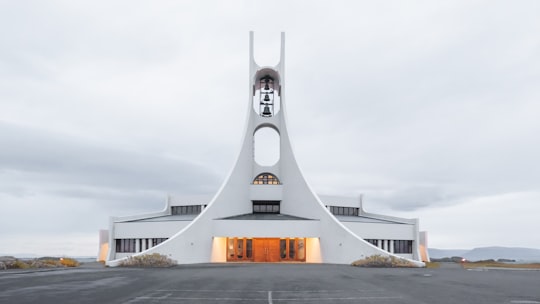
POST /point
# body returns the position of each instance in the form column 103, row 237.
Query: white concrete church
column 263, row 212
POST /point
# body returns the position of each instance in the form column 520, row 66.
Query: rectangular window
column 249, row 248
column 191, row 209
column 371, row 241
column 230, row 248
column 125, row 245
column 266, row 207
column 345, row 211
column 292, row 249
column 239, row 249
column 403, row 246
column 283, row 248
column 157, row 241
column 301, row 252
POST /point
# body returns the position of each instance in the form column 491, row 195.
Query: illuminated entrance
column 269, row 250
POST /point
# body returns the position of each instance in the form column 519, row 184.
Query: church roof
column 266, row 217
column 365, row 219
column 166, row 218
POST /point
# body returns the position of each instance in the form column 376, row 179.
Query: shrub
column 44, row 262
column 68, row 262
column 18, row 264
column 148, row 260
column 382, row 262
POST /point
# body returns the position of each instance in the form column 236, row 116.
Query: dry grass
column 45, row 262
column 148, row 260
column 482, row 264
column 432, row 264
column 379, row 261
column 68, row 262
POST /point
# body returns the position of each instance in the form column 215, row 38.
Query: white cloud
column 421, row 106
column 508, row 219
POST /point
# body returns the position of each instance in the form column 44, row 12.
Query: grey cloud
column 408, row 199
column 52, row 158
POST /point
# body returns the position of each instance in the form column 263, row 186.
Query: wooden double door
column 266, row 250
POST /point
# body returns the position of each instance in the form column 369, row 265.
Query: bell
column 266, row 111
column 266, row 87
column 266, row 97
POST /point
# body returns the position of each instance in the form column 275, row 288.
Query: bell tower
column 267, row 98
column 265, row 121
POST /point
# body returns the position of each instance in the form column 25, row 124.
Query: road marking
column 199, row 299
column 210, row 290
column 205, row 295
column 339, row 299
column 270, row 300
column 265, row 291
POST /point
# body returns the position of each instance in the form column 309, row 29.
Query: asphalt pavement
column 270, row 283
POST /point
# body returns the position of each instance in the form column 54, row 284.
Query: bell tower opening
column 266, row 146
column 267, row 101
column 266, row 93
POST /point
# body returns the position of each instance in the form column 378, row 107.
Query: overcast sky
column 429, row 109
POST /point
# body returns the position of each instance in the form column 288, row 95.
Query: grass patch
column 432, row 264
column 495, row 264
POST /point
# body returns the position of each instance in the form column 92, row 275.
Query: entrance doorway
column 266, row 250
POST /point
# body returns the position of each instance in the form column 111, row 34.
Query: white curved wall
column 382, row 231
column 164, row 229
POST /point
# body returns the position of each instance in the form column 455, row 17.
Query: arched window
column 266, row 179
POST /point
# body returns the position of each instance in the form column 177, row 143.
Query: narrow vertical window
column 249, row 248
column 292, row 249
column 230, row 248
column 240, row 249
column 283, row 248
column 301, row 249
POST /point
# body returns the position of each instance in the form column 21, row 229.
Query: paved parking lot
column 264, row 296
column 270, row 283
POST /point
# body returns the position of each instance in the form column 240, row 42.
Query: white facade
column 264, row 213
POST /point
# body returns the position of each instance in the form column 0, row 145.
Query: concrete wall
column 382, row 231
column 253, row 228
column 134, row 230
column 266, row 192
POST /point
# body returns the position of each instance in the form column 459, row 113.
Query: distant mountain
column 20, row 255
column 35, row 256
column 446, row 253
column 486, row 253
